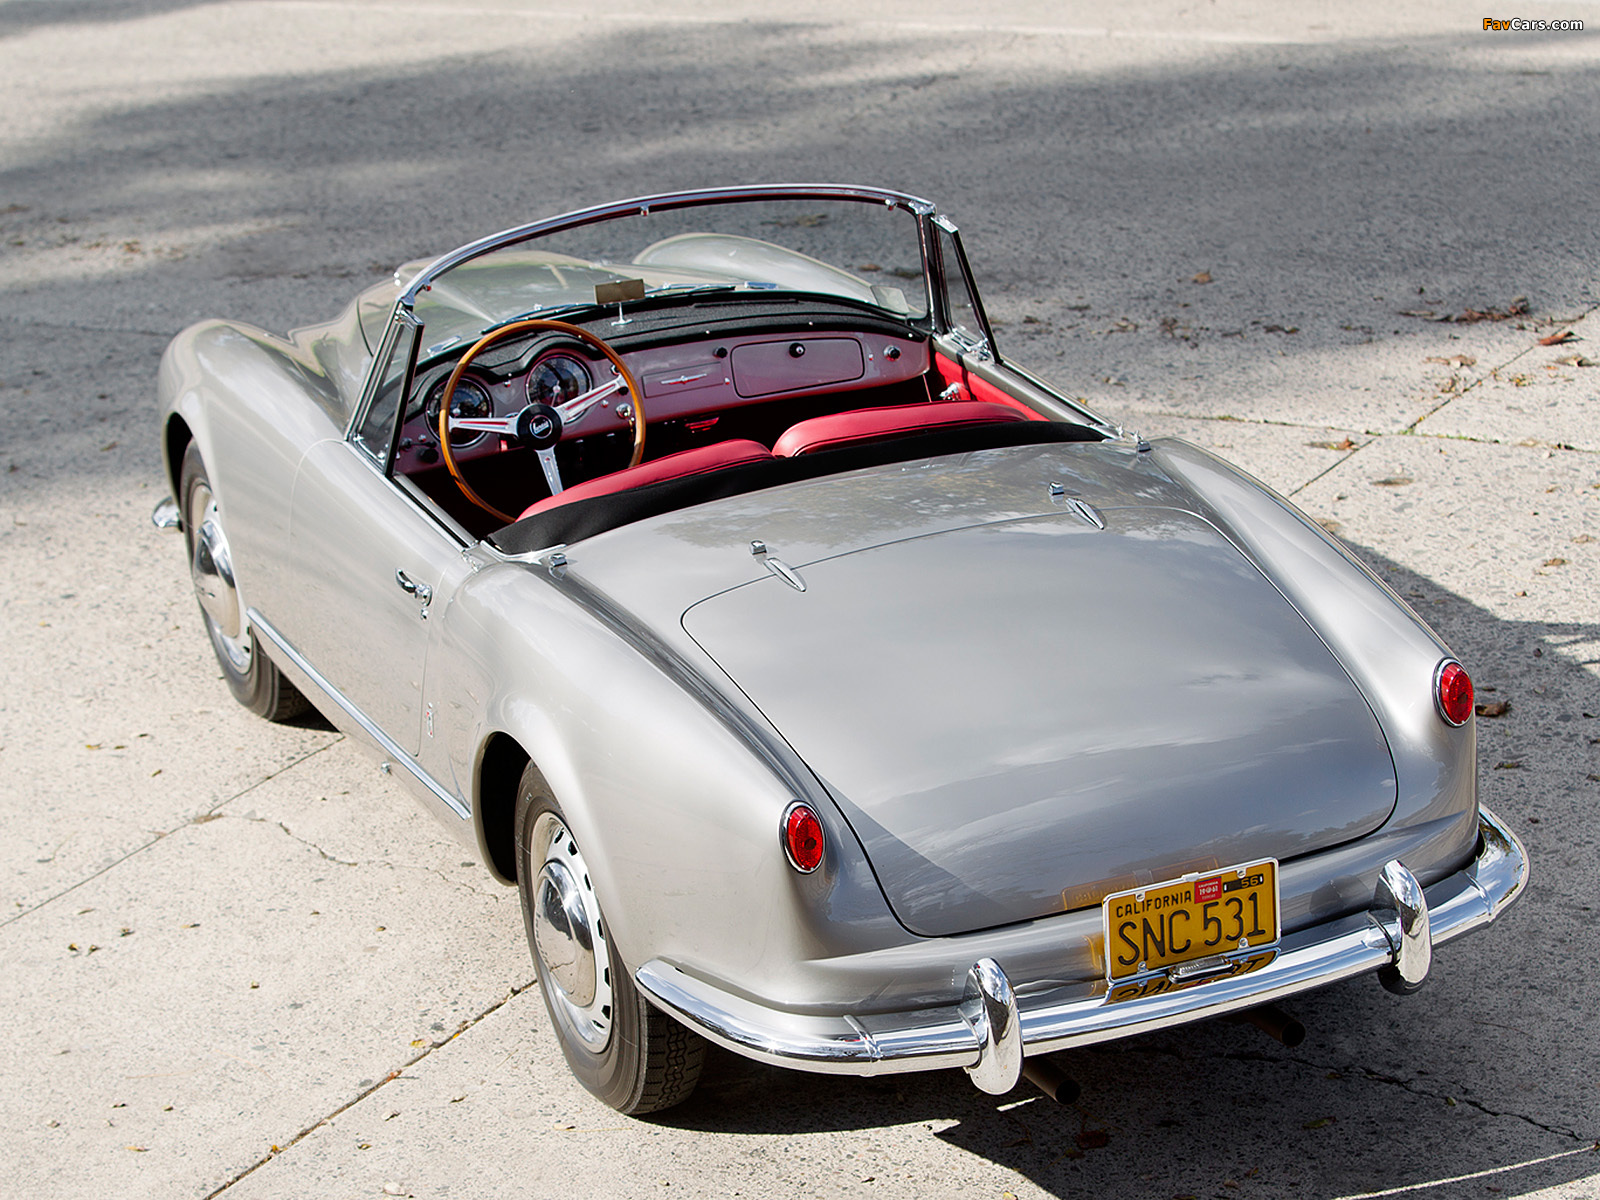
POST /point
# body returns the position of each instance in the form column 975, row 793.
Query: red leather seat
column 733, row 453
column 870, row 424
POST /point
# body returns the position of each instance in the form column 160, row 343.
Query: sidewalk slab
column 233, row 984
column 1513, row 529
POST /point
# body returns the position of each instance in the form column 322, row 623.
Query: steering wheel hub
column 539, row 426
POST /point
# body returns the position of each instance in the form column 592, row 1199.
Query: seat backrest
column 735, row 452
column 871, row 424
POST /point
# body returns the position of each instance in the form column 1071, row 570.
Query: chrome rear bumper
column 991, row 1028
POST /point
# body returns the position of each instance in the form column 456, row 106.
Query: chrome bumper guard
column 166, row 514
column 990, row 1030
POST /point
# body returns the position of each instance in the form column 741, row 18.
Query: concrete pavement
column 237, row 961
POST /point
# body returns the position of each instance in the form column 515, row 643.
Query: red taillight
column 1452, row 692
column 802, row 838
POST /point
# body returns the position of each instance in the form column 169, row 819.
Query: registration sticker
column 1192, row 929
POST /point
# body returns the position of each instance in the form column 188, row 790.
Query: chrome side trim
column 387, row 744
column 946, row 1036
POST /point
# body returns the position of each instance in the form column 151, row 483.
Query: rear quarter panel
column 1386, row 649
column 678, row 815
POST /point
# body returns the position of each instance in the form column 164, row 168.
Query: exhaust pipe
column 1275, row 1023
column 1051, row 1080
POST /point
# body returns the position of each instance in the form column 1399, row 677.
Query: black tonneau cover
column 570, row 523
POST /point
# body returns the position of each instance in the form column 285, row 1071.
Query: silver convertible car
column 832, row 689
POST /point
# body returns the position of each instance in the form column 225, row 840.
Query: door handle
column 411, row 587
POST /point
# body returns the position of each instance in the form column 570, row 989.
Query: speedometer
column 470, row 399
column 557, row 378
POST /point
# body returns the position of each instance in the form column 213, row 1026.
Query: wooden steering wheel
column 538, row 425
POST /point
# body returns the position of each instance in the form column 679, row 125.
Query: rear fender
column 1385, row 648
column 678, row 816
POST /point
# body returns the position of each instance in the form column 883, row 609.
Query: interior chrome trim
column 387, row 744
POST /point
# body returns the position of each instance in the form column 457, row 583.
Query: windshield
column 865, row 252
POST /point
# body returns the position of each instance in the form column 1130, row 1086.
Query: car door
column 369, row 563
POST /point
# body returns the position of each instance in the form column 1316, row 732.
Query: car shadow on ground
column 1385, row 1092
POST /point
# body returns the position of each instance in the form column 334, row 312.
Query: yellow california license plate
column 1211, row 916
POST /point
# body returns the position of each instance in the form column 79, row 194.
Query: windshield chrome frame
column 941, row 273
column 404, row 312
column 644, row 205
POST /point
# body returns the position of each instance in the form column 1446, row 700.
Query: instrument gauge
column 470, row 399
column 557, row 378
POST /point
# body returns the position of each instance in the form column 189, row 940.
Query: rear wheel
column 619, row 1046
column 252, row 677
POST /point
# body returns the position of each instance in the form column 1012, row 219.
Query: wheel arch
column 500, row 767
column 175, row 439
column 671, row 795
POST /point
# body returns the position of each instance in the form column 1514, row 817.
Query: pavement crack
column 210, row 814
column 469, row 888
column 1272, row 422
column 1448, row 397
column 1354, row 1071
column 1493, row 372
column 78, row 327
column 330, row 1117
column 1335, row 465
column 343, row 862
column 1411, row 432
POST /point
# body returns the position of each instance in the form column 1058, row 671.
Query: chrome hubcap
column 561, row 930
column 569, row 936
column 213, row 578
column 211, row 570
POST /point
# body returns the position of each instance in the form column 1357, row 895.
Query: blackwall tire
column 619, row 1046
column 252, row 677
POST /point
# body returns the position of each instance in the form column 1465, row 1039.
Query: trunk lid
column 1019, row 716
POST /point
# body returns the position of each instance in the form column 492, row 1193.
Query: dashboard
column 680, row 381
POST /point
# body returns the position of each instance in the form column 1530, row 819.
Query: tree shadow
column 25, row 16
column 278, row 195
